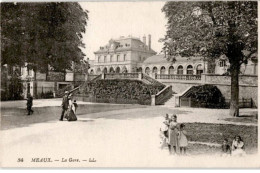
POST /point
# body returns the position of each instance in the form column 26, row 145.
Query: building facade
column 122, row 55
column 130, row 54
column 158, row 64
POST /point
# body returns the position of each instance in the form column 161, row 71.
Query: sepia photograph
column 129, row 84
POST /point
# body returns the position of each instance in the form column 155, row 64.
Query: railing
column 151, row 80
column 162, row 96
column 61, row 92
column 84, row 85
column 192, row 102
column 95, row 78
column 177, row 77
column 121, row 76
column 92, row 76
column 243, row 103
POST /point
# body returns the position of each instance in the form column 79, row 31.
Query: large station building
column 130, row 54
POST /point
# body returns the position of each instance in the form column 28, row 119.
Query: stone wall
column 248, row 85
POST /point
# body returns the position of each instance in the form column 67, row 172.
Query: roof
column 125, row 43
column 161, row 58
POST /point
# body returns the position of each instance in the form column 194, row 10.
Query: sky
column 114, row 19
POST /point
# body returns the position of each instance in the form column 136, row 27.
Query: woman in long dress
column 71, row 115
column 173, row 135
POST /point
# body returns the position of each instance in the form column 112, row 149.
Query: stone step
column 170, row 102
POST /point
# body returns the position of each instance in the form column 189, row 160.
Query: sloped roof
column 125, row 43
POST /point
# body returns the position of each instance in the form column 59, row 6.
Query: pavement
column 117, row 138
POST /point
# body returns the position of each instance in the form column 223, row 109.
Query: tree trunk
column 35, row 84
column 234, row 101
column 47, row 73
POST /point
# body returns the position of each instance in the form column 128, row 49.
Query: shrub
column 46, row 95
column 208, row 96
column 121, row 91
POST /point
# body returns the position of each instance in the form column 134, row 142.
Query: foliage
column 121, row 91
column 208, row 96
column 46, row 95
column 42, row 34
column 211, row 29
column 14, row 89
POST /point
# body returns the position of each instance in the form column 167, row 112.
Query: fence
column 151, row 80
column 177, row 77
column 121, row 76
column 92, row 76
column 191, row 102
column 243, row 103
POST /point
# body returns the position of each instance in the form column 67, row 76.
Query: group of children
column 237, row 148
column 174, row 136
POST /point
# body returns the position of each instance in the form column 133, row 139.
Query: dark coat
column 65, row 102
column 30, row 101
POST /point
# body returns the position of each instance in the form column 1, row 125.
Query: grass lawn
column 252, row 119
column 215, row 133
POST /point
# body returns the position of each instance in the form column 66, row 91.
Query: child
column 74, row 106
column 238, row 147
column 164, row 131
column 226, row 151
column 183, row 142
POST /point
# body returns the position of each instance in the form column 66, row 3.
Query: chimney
column 149, row 42
column 144, row 39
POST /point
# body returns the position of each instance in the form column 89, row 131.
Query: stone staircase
column 170, row 102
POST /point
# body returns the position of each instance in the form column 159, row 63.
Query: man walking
column 64, row 105
column 29, row 104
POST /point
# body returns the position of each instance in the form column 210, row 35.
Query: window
column 98, row 58
column 171, row 70
column 111, row 70
column 222, row 63
column 118, row 70
column 180, row 70
column 105, row 58
column 98, row 71
column 162, row 71
column 111, row 58
column 147, row 70
column 124, row 57
column 199, row 69
column 189, row 69
column 155, row 70
column 117, row 58
column 105, row 70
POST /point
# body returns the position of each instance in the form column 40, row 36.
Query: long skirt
column 71, row 115
column 173, row 137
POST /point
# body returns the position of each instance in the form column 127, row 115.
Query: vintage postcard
column 129, row 84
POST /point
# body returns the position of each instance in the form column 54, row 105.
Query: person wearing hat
column 29, row 104
column 64, row 105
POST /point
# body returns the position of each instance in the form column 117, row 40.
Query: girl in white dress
column 164, row 131
column 183, row 141
column 238, row 147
